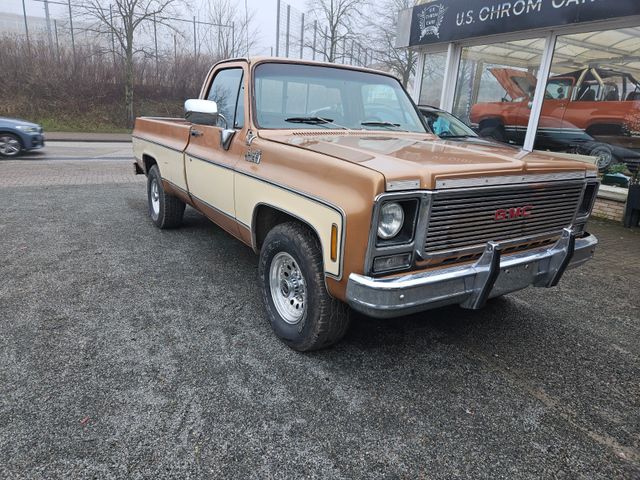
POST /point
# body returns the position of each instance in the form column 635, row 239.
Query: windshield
column 446, row 125
column 306, row 96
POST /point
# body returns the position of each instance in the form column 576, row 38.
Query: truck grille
column 463, row 221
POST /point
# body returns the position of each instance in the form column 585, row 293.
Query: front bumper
column 34, row 141
column 471, row 285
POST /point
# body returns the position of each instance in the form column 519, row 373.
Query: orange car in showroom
column 594, row 111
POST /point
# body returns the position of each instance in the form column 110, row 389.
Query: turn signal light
column 392, row 262
column 334, row 242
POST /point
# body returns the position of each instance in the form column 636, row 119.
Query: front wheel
column 165, row 210
column 10, row 145
column 604, row 155
column 291, row 275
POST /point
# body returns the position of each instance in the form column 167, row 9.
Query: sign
column 450, row 20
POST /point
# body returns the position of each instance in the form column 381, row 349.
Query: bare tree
column 340, row 18
column 400, row 61
column 236, row 35
column 123, row 20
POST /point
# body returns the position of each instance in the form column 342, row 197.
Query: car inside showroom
column 554, row 75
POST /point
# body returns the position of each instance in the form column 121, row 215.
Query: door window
column 228, row 92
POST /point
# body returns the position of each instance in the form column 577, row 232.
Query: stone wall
column 610, row 203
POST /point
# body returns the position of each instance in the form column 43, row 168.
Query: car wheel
column 10, row 145
column 604, row 155
column 495, row 132
column 165, row 210
column 291, row 275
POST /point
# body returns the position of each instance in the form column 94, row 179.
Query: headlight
column 28, row 128
column 391, row 220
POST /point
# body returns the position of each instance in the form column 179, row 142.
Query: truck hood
column 425, row 157
column 517, row 83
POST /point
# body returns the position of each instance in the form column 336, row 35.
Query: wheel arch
column 148, row 161
column 490, row 122
column 14, row 133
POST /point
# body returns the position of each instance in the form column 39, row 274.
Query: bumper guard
column 470, row 286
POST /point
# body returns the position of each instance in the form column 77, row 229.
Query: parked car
column 330, row 175
column 17, row 136
column 593, row 111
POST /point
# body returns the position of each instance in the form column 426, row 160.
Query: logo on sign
column 430, row 20
column 513, row 213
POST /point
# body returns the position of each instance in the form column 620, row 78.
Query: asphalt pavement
column 130, row 352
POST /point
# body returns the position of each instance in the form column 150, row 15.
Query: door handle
column 196, row 133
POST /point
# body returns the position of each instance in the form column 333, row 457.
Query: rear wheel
column 495, row 132
column 165, row 210
column 604, row 156
column 291, row 275
column 10, row 145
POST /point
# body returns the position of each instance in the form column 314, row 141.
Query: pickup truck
column 331, row 175
column 594, row 111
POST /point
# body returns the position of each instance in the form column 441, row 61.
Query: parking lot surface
column 130, row 352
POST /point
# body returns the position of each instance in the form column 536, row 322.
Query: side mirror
column 202, row 112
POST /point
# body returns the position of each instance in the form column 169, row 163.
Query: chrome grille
column 461, row 222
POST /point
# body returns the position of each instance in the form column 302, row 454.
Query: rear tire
column 165, row 210
column 10, row 145
column 291, row 274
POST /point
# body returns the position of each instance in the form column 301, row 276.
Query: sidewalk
column 86, row 137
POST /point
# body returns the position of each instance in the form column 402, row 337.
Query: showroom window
column 432, row 79
column 592, row 100
column 496, row 86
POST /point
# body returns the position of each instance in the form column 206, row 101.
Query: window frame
column 238, row 92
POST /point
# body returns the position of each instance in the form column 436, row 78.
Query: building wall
column 609, row 209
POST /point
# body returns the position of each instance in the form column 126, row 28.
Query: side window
column 224, row 91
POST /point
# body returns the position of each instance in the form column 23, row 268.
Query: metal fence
column 60, row 24
column 298, row 35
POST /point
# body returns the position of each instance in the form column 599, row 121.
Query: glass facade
column 432, row 79
column 592, row 100
column 495, row 88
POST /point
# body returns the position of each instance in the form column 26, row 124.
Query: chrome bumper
column 469, row 286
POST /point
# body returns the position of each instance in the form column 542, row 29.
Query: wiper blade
column 309, row 120
column 389, row 125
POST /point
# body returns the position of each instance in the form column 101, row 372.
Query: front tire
column 10, row 145
column 165, row 210
column 604, row 155
column 301, row 311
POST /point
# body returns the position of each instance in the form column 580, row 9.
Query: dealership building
column 556, row 75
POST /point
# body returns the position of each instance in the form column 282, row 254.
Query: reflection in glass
column 432, row 79
column 495, row 88
column 592, row 101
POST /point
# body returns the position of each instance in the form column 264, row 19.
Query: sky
column 264, row 17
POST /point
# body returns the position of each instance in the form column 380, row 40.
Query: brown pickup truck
column 331, row 175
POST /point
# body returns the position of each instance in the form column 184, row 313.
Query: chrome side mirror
column 201, row 112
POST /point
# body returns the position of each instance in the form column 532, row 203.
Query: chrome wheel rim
column 288, row 288
column 9, row 146
column 155, row 198
column 604, row 158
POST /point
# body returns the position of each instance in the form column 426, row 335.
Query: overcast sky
column 265, row 16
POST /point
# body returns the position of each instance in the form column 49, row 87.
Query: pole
column 315, row 36
column 325, row 44
column 233, row 39
column 73, row 38
column 246, row 25
column 302, row 37
column 195, row 34
column 48, row 20
column 26, row 26
column 286, row 50
column 113, row 38
column 351, row 54
column 278, row 31
column 55, row 27
column 155, row 40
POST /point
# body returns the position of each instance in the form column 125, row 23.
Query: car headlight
column 391, row 220
column 28, row 128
